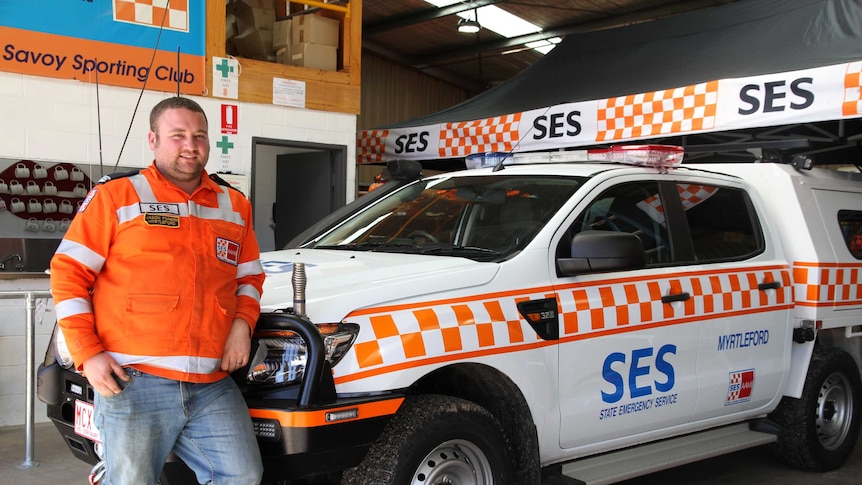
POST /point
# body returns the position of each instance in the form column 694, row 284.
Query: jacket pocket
column 223, row 315
column 151, row 319
column 227, row 244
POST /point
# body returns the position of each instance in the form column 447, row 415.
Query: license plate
column 85, row 424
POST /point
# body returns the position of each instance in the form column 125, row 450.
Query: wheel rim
column 455, row 462
column 834, row 411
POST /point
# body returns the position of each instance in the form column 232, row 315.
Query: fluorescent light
column 502, row 22
column 544, row 46
column 442, row 3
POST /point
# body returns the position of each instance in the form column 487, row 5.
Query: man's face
column 181, row 145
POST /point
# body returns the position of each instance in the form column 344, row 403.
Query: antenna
column 499, row 165
column 178, row 71
column 144, row 86
column 99, row 124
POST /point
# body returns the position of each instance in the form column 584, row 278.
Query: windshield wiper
column 472, row 252
column 398, row 247
column 332, row 246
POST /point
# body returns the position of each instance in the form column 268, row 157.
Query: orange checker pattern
column 689, row 194
column 152, row 13
column 827, row 285
column 435, row 329
column 432, row 332
column 624, row 305
column 498, row 134
column 852, row 105
column 371, row 146
column 685, row 109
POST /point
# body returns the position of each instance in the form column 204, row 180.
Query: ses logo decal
column 741, row 385
column 646, row 377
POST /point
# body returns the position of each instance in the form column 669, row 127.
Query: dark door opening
column 295, row 185
column 304, row 193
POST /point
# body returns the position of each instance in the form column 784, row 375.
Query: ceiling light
column 468, row 26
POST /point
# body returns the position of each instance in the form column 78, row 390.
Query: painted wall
column 64, row 121
column 13, row 348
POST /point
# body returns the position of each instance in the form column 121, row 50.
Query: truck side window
column 633, row 207
column 851, row 228
column 722, row 223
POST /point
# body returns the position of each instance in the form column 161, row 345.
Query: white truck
column 566, row 317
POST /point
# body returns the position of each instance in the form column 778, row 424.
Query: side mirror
column 595, row 251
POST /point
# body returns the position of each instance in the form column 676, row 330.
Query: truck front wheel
column 819, row 430
column 436, row 440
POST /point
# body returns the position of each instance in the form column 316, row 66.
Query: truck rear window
column 851, row 228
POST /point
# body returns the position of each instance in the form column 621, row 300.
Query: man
column 157, row 287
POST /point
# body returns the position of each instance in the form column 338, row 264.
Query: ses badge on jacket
column 161, row 214
column 227, row 251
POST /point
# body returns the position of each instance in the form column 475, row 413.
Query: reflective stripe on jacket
column 155, row 276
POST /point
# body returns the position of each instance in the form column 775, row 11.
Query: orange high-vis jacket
column 155, row 276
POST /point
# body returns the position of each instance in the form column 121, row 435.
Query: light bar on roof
column 659, row 156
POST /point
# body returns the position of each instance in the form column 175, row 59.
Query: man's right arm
column 100, row 370
column 74, row 268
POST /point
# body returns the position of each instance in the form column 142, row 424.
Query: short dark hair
column 175, row 102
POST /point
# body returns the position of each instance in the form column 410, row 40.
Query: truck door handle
column 772, row 285
column 684, row 296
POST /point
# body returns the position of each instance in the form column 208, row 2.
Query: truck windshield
column 485, row 218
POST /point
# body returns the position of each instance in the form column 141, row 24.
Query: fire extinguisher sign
column 229, row 118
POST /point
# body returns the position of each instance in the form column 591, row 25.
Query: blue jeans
column 206, row 425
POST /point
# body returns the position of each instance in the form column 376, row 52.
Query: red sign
column 85, row 424
column 229, row 118
column 741, row 386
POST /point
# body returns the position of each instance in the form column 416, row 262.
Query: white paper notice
column 286, row 92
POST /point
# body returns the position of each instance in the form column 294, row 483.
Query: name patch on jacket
column 160, row 214
column 227, row 251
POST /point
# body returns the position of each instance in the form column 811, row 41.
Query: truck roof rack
column 771, row 151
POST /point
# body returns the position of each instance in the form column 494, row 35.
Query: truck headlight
column 61, row 350
column 281, row 355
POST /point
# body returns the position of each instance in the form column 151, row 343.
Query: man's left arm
column 237, row 347
column 249, row 274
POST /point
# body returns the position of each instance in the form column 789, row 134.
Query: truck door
column 628, row 344
column 744, row 297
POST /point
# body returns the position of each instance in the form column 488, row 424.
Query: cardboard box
column 314, row 29
column 258, row 3
column 282, row 55
column 254, row 44
column 281, row 34
column 249, row 16
column 314, row 56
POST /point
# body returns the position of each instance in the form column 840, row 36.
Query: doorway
column 294, row 184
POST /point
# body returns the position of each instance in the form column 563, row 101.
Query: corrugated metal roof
column 417, row 34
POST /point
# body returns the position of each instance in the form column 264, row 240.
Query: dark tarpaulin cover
column 744, row 38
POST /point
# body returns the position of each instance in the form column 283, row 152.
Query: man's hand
column 100, row 370
column 237, row 347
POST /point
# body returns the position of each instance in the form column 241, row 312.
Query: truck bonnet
column 339, row 282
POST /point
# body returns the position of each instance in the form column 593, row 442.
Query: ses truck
column 566, row 317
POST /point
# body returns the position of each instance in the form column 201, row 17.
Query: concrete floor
column 56, row 465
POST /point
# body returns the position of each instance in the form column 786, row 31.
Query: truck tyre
column 436, row 440
column 819, row 430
